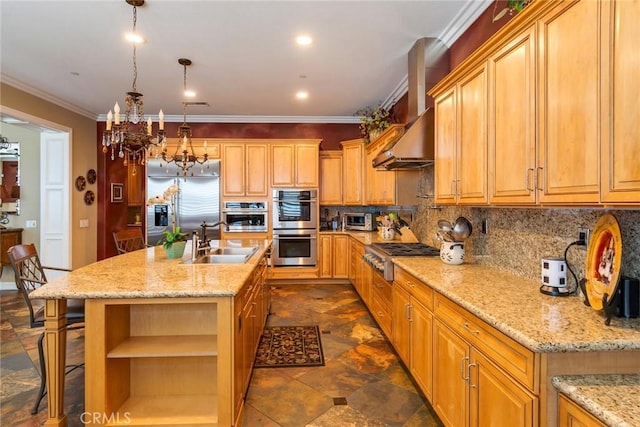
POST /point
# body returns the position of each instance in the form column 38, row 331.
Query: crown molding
column 46, row 96
column 252, row 119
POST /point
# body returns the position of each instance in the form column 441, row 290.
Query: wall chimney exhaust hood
column 428, row 63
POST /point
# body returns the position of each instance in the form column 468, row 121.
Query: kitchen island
column 161, row 337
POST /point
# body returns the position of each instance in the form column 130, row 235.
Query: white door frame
column 64, row 208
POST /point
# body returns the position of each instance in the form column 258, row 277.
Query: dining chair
column 29, row 275
column 128, row 240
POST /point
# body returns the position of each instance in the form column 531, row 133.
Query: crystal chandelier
column 185, row 156
column 131, row 137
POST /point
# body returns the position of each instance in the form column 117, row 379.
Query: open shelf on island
column 195, row 410
column 166, row 346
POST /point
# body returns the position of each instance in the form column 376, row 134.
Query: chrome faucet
column 200, row 243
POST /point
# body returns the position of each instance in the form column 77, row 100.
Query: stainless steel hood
column 428, row 63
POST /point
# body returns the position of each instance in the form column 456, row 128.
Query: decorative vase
column 176, row 250
column 387, row 233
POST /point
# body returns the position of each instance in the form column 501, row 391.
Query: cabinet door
column 257, row 158
column 330, row 178
column 353, row 173
column 283, row 165
column 386, row 187
column 445, row 147
column 421, row 365
column 341, row 256
column 325, row 255
column 571, row 415
column 233, row 170
column 471, row 177
column 621, row 133
column 512, row 121
column 306, row 165
column 450, row 392
column 570, row 55
column 401, row 323
column 496, row 399
column 371, row 184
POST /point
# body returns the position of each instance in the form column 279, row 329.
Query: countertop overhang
column 148, row 273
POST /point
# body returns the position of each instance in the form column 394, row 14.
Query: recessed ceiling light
column 134, row 38
column 304, row 40
column 303, row 94
column 189, row 94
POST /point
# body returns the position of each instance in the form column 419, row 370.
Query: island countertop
column 148, row 273
column 515, row 306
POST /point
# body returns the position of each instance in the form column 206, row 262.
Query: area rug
column 289, row 346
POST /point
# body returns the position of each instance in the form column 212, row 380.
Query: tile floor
column 361, row 384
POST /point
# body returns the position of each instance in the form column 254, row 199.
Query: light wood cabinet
column 570, row 54
column 512, row 137
column 333, row 256
column 461, row 141
column 620, row 149
column 412, row 328
column 381, row 302
column 331, row 179
column 353, row 180
column 295, row 164
column 359, row 271
column 572, row 415
column 476, row 364
column 244, row 169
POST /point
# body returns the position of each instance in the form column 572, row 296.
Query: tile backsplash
column 518, row 238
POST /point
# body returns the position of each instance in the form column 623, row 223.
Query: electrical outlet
column 583, row 235
column 485, row 226
column 30, row 224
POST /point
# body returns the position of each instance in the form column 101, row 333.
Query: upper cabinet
column 551, row 99
column 330, row 191
column 244, row 169
column 353, row 172
column 295, row 164
column 461, row 140
column 620, row 148
column 570, row 54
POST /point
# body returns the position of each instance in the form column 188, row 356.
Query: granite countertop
column 148, row 273
column 613, row 399
column 516, row 307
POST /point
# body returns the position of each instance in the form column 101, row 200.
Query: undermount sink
column 226, row 255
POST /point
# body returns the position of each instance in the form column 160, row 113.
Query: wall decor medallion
column 89, row 197
column 117, row 192
column 80, row 183
column 91, row 176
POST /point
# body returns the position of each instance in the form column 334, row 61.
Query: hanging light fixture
column 185, row 156
column 131, row 137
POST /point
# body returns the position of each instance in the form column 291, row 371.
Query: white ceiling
column 245, row 62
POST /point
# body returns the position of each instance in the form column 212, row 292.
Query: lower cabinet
column 470, row 390
column 333, row 256
column 412, row 328
column 572, row 415
column 381, row 301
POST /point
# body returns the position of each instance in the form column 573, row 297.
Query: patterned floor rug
column 289, row 346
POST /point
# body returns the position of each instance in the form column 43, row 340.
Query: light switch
column 30, row 224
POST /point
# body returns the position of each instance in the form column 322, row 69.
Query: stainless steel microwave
column 359, row 221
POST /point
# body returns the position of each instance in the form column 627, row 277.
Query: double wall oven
column 295, row 227
column 248, row 217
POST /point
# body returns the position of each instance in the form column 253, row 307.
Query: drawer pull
column 407, row 311
column 473, row 331
column 410, row 284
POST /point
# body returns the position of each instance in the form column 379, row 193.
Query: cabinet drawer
column 418, row 289
column 382, row 313
column 511, row 356
column 383, row 289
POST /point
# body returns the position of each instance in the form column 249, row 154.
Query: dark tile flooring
column 361, row 384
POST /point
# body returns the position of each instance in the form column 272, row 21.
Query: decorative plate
column 91, row 176
column 89, row 197
column 80, row 183
column 604, row 256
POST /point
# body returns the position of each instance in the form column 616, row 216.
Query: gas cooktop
column 407, row 249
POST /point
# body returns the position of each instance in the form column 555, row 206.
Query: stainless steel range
column 379, row 255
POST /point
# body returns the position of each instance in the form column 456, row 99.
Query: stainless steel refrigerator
column 197, row 201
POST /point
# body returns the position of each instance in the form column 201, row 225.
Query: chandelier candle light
column 132, row 137
column 185, row 156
